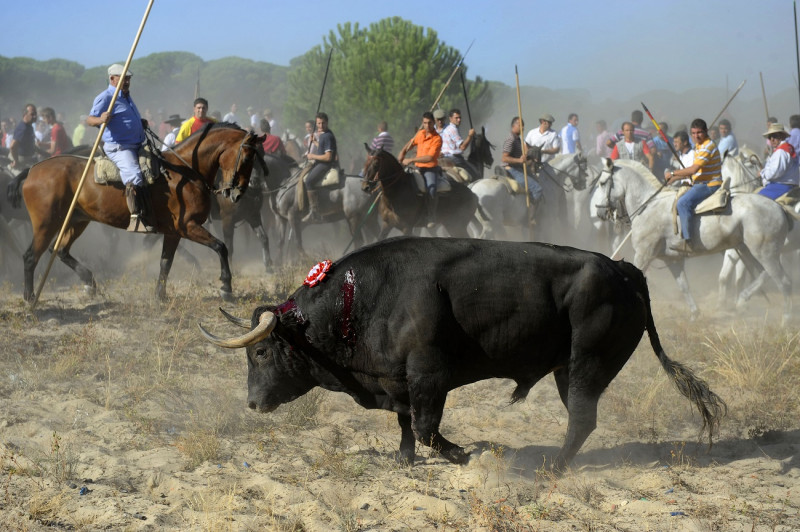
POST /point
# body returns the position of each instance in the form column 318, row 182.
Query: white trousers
column 127, row 160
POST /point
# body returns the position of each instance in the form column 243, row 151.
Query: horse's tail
column 710, row 406
column 14, row 189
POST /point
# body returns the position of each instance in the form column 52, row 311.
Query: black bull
column 398, row 324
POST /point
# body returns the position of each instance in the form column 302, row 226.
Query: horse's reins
column 624, row 216
column 564, row 172
column 153, row 138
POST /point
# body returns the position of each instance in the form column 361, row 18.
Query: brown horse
column 181, row 200
column 401, row 205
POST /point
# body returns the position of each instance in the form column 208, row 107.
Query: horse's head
column 236, row 163
column 480, row 155
column 379, row 165
column 606, row 201
column 579, row 178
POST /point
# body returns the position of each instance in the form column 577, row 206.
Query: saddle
column 512, row 186
column 458, row 174
column 714, row 204
column 106, row 172
column 790, row 202
column 442, row 183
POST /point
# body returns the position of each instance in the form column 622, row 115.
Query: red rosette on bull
column 317, row 273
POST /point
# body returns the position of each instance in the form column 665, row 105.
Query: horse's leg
column 254, row 219
column 199, row 234
column 168, row 247
column 768, row 264
column 85, row 275
column 44, row 230
column 730, row 264
column 678, row 271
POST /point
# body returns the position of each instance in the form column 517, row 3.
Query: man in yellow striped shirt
column 706, row 179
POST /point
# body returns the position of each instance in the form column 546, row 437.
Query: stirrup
column 137, row 225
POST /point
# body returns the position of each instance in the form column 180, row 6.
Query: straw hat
column 775, row 129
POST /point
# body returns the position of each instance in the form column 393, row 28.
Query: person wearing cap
column 198, row 120
column 123, row 136
column 438, row 120
column 453, row 145
column 170, row 139
column 429, row 147
column 781, row 172
column 544, row 138
column 706, row 179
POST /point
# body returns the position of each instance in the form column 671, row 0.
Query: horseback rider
column 513, row 161
column 429, row 147
column 706, row 179
column 23, row 149
column 453, row 145
column 123, row 137
column 781, row 172
column 323, row 156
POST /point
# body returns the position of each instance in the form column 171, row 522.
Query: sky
column 616, row 48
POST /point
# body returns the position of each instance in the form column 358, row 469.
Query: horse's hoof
column 694, row 315
column 90, row 290
column 226, row 295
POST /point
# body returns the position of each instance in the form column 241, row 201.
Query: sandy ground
column 116, row 415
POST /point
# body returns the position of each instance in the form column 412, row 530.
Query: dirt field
column 117, row 415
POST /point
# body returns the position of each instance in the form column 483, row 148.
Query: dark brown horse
column 401, row 205
column 181, row 200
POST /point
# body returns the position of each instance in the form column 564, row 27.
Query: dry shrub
column 497, row 515
column 199, row 445
column 303, row 412
column 214, row 509
column 760, row 366
column 336, row 461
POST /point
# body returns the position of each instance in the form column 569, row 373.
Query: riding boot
column 433, row 202
column 134, row 197
column 313, row 215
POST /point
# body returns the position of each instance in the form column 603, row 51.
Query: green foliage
column 393, row 70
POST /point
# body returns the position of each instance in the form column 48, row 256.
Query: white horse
column 563, row 173
column 753, row 225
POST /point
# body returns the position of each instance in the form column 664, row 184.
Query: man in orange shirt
column 429, row 147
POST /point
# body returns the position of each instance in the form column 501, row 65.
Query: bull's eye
column 261, row 353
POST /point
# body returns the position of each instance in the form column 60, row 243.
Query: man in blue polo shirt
column 123, row 136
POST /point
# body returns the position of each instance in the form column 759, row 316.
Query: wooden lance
column 91, row 156
column 764, row 96
column 522, row 141
column 727, row 104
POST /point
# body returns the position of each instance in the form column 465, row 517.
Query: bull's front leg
column 427, row 407
column 407, row 441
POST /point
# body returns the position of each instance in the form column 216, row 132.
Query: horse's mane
column 214, row 125
column 641, row 169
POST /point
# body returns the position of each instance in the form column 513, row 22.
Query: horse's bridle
column 582, row 173
column 228, row 190
column 616, row 210
column 377, row 181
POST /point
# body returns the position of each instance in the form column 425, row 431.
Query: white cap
column 116, row 70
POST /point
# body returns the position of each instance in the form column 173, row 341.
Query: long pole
column 324, row 80
column 796, row 47
column 663, row 136
column 466, row 98
column 452, row 75
column 522, row 141
column 91, row 157
column 764, row 96
column 727, row 103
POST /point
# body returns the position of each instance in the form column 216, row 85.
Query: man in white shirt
column 231, row 117
column 544, row 138
column 570, row 137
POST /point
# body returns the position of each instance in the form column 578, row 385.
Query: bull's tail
column 711, row 406
column 14, row 189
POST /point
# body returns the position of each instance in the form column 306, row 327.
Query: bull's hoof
column 406, row 457
column 226, row 295
column 456, row 455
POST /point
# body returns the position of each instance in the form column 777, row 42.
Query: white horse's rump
column 752, row 224
column 565, row 172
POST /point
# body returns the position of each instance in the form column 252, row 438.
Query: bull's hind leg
column 84, row 273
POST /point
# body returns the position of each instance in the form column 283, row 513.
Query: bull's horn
column 266, row 322
column 241, row 322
